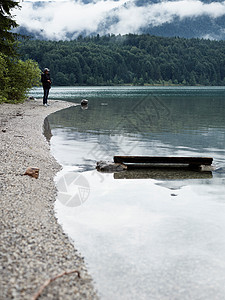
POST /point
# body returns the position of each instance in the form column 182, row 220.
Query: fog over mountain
column 65, row 20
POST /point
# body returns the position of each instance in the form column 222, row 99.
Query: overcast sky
column 54, row 19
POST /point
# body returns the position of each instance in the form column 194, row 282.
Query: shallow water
column 152, row 235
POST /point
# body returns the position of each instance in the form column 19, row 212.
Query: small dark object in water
column 84, row 102
column 107, row 166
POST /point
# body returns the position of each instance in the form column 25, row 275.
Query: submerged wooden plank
column 163, row 160
column 168, row 174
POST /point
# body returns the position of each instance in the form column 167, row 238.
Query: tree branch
column 47, row 282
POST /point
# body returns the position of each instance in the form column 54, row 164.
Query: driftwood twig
column 47, row 282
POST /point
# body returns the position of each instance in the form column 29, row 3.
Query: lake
column 143, row 235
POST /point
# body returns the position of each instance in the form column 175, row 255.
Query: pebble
column 33, row 246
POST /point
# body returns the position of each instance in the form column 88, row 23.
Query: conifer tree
column 7, row 38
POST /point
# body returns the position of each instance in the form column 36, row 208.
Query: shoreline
column 34, row 247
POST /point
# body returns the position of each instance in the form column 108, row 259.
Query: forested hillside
column 130, row 59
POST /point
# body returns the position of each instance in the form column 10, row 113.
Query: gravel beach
column 33, row 246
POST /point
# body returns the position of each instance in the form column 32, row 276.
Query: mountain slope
column 67, row 20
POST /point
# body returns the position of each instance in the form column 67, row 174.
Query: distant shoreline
column 33, row 247
column 139, row 85
column 130, row 84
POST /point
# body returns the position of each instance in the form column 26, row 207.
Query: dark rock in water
column 206, row 168
column 107, row 166
column 84, row 102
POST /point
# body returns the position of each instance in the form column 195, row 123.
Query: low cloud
column 132, row 18
column 59, row 19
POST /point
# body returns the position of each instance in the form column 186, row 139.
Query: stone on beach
column 33, row 172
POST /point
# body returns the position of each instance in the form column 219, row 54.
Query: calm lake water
column 149, row 235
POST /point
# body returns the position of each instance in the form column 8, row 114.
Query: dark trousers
column 45, row 97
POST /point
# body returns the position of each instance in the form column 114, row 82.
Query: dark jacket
column 44, row 79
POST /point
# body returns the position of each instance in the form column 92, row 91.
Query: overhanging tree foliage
column 16, row 76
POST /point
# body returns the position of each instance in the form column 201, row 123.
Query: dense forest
column 129, row 59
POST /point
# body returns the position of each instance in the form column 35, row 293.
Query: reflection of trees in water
column 188, row 121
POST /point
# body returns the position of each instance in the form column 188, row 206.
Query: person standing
column 46, row 83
